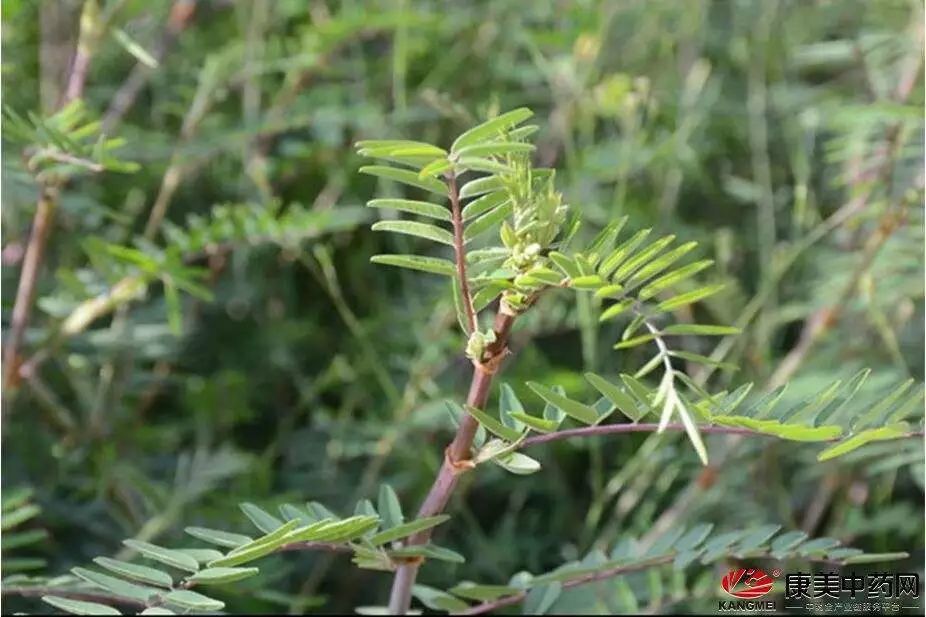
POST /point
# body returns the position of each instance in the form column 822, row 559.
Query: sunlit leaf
column 854, row 442
column 497, row 148
column 491, row 128
column 483, row 204
column 476, row 163
column 622, row 252
column 435, row 168
column 486, row 222
column 481, row 186
column 672, row 278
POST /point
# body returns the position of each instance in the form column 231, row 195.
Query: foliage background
column 312, row 374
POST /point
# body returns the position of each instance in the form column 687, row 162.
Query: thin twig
column 833, row 222
column 601, row 575
column 45, row 211
column 172, row 178
column 180, row 16
column 326, row 274
column 86, row 42
column 757, row 107
column 822, row 320
column 488, row 607
column 70, row 159
column 28, row 279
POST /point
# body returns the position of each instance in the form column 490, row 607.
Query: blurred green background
column 785, row 136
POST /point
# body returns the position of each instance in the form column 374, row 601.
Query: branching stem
column 515, row 598
column 661, row 344
column 28, row 280
column 44, row 217
column 456, row 459
column 594, row 577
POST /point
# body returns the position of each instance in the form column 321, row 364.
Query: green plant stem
column 652, row 427
column 456, row 459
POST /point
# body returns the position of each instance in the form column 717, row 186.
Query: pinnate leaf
column 414, row 228
column 166, row 556
column 389, row 507
column 434, row 265
column 218, row 576
column 136, row 572
column 193, row 601
column 421, row 208
column 405, row 177
column 218, row 537
column 262, row 519
column 406, row 529
column 80, row 607
column 491, row 129
column 582, row 413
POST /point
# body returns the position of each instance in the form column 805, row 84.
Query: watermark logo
column 748, row 586
column 747, row 583
column 751, row 590
column 850, row 592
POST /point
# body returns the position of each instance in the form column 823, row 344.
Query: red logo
column 746, row 583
